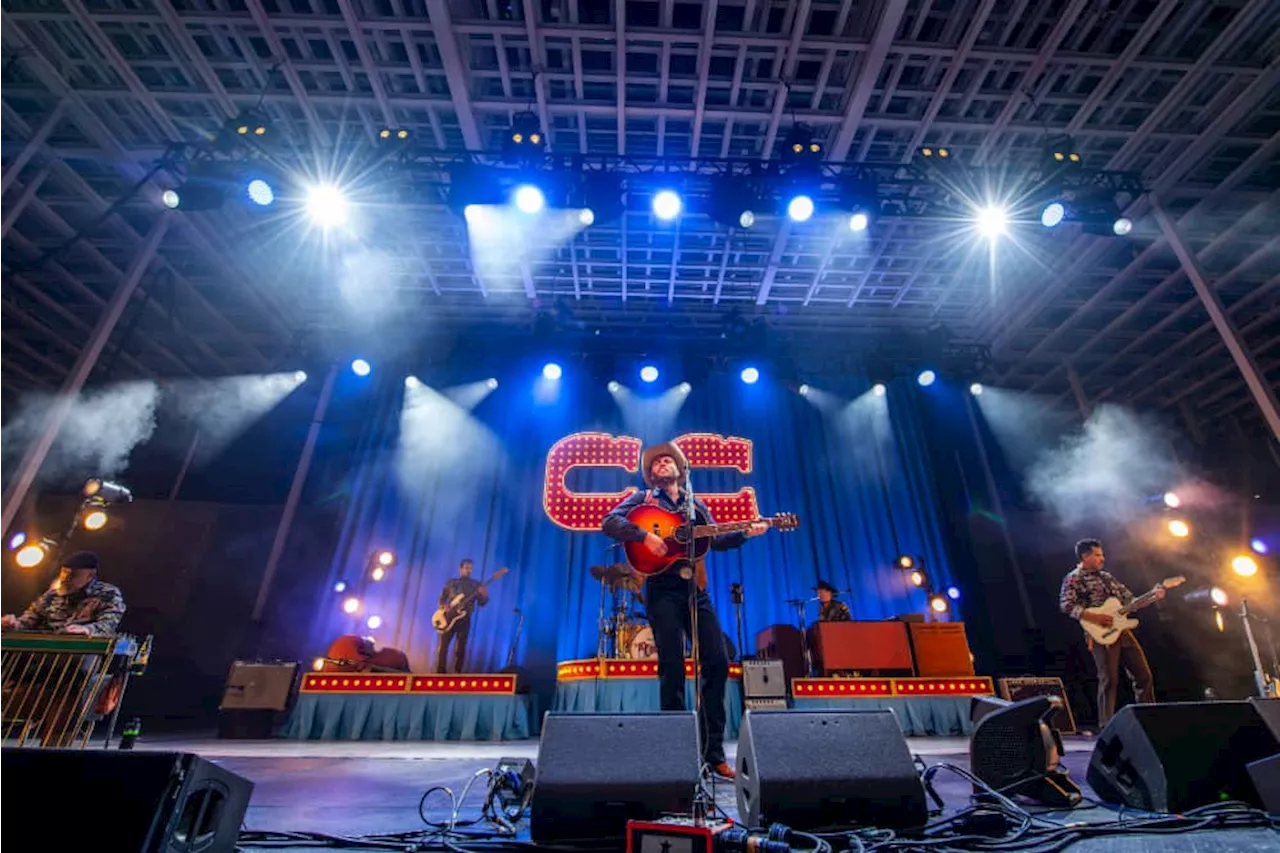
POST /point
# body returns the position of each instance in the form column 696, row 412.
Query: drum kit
column 624, row 632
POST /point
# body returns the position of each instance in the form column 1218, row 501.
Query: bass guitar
column 460, row 605
column 1119, row 613
column 674, row 531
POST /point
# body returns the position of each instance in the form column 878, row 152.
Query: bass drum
column 642, row 646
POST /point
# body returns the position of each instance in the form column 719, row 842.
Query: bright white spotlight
column 926, row 378
column 859, row 222
column 1171, row 500
column 529, row 199
column 746, row 219
column 300, row 376
column 1218, row 596
column 878, row 389
column 685, row 388
column 374, row 622
column 1244, row 565
column 975, row 389
column 340, row 586
column 360, row 367
column 1122, row 226
column 992, row 221
column 614, row 386
column 750, row 375
column 170, row 199
column 411, row 382
column 1178, row 528
column 800, row 208
column 586, row 217
column 552, row 371
column 326, row 206
column 261, row 193
column 804, row 390
column 17, row 540
column 1052, row 214
column 667, row 205
column 351, row 605
column 1258, row 546
column 953, row 593
column 649, row 373
column 491, row 384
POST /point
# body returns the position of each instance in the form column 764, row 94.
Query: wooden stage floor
column 346, row 788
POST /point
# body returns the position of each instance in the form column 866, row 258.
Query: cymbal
column 610, row 574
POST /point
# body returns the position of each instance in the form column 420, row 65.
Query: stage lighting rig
column 105, row 492
column 800, row 147
column 524, row 142
column 1060, row 150
column 393, row 136
column 934, row 154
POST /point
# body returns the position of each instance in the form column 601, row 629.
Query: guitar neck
column 703, row 531
column 1140, row 601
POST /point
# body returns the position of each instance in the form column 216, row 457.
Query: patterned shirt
column 1081, row 589
column 98, row 606
column 835, row 611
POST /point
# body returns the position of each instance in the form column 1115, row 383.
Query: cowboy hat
column 649, row 454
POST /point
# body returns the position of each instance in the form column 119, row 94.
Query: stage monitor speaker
column 1174, row 757
column 1014, row 749
column 1269, row 710
column 597, row 771
column 139, row 802
column 815, row 770
column 259, row 686
column 1265, row 776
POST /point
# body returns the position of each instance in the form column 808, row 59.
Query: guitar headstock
column 785, row 521
column 499, row 573
column 1170, row 583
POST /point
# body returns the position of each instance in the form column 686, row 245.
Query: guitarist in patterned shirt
column 1087, row 585
column 465, row 585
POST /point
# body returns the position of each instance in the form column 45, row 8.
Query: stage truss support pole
column 295, row 493
column 1077, row 389
column 998, row 505
column 186, row 464
column 29, row 467
column 1263, row 394
column 33, row 145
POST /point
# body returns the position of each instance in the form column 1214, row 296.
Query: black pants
column 458, row 634
column 1108, row 659
column 667, row 604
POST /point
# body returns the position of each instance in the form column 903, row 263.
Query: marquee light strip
column 593, row 668
column 585, row 511
column 868, row 688
column 476, row 684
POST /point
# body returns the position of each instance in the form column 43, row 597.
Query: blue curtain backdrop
column 437, row 483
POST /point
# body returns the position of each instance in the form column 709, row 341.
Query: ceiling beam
column 455, row 72
column 868, row 73
column 371, row 70
column 34, row 143
column 196, row 57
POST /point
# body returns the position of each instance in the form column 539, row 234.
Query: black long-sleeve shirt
column 462, row 586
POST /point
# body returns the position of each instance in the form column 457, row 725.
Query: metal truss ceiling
column 1185, row 94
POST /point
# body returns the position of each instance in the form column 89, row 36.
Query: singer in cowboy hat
column 831, row 610
column 665, row 470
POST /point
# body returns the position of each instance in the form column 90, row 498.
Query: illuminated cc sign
column 585, row 511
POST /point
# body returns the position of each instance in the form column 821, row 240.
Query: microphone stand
column 691, row 518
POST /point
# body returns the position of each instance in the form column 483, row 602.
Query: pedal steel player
column 1085, row 586
column 665, row 470
column 830, row 610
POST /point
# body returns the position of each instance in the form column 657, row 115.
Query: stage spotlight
column 938, row 603
column 667, row 205
column 649, row 373
column 586, row 217
column 170, row 199
column 1218, row 596
column 17, row 540
column 1244, row 565
column 905, row 562
column 360, row 367
column 386, row 559
column 750, row 375
column 529, row 199
column 1179, row 528
column 261, row 193
column 94, row 520
column 31, row 555
column 746, row 219
column 916, row 577
column 340, row 586
column 1219, row 622
column 879, row 390
column 104, row 491
column 685, row 388
column 300, row 376
column 1171, row 500
column 326, row 206
column 800, row 208
column 1053, row 214
column 859, row 222
column 411, row 382
column 1122, row 226
column 317, row 665
column 991, row 221
column 374, row 622
column 926, row 378
column 351, row 605
column 552, row 371
column 975, row 389
column 953, row 593
column 1258, row 546
column 614, row 386
column 804, row 390
column 491, row 384
column 377, row 574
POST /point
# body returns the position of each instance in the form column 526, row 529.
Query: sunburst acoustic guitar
column 674, row 531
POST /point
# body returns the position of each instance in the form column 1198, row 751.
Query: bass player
column 665, row 470
column 457, row 633
column 1086, row 586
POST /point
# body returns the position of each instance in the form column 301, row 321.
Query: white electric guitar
column 1119, row 613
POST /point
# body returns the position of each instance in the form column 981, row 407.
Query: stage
column 344, row 788
column 487, row 707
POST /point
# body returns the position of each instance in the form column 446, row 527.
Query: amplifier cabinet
column 1017, row 689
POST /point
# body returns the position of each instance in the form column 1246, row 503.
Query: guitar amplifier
column 1017, row 689
column 764, row 679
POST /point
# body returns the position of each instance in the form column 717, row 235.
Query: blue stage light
column 953, row 593
column 340, row 586
column 360, row 367
column 529, row 199
column 649, row 373
column 667, row 205
column 750, row 375
column 17, row 540
column 1052, row 214
column 261, row 193
column 552, row 371
column 926, row 378
column 800, row 208
column 1259, row 546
